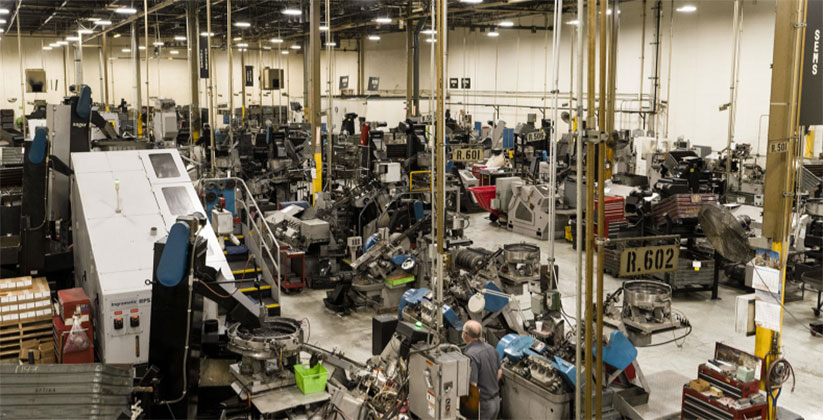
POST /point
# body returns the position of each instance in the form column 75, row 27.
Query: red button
column 118, row 312
column 133, row 310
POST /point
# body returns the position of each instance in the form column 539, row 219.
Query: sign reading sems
column 649, row 259
column 811, row 97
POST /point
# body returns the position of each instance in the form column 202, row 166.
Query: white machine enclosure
column 122, row 203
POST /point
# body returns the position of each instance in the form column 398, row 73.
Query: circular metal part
column 814, row 207
column 521, row 253
column 469, row 258
column 408, row 264
column 268, row 341
column 647, row 294
column 476, row 303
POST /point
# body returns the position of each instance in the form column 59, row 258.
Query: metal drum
column 268, row 341
column 521, row 253
column 647, row 294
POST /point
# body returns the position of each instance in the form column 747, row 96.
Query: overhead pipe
column 230, row 58
column 146, row 40
column 578, row 348
column 590, row 181
column 329, row 113
column 641, row 121
column 212, row 125
column 737, row 27
column 22, row 73
column 669, row 69
column 558, row 13
column 193, row 39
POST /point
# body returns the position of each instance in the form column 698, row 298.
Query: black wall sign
column 249, row 75
column 811, row 97
column 466, row 83
column 344, row 82
column 374, row 83
column 204, row 61
column 453, row 83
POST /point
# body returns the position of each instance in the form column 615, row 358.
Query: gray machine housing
column 437, row 383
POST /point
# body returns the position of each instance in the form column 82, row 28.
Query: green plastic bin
column 311, row 380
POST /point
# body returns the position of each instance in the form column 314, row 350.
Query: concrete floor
column 666, row 367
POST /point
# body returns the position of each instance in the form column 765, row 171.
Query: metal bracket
column 595, row 136
column 601, row 241
column 788, row 194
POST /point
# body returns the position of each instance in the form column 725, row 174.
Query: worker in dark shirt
column 485, row 371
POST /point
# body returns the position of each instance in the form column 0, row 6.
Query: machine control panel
column 118, row 323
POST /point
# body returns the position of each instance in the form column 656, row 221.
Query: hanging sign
column 204, row 60
column 811, row 96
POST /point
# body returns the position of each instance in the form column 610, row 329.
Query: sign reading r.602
column 649, row 259
column 470, row 154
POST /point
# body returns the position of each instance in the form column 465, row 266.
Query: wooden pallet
column 13, row 336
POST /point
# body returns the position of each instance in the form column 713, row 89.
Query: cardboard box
column 26, row 305
column 43, row 351
column 17, row 283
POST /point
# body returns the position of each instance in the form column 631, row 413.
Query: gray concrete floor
column 666, row 367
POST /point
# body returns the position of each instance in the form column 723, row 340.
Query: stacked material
column 25, row 316
column 64, row 391
column 680, row 208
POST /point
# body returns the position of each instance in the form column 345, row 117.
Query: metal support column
column 591, row 28
column 193, row 40
column 105, row 57
column 138, row 105
column 146, row 40
column 230, row 58
column 781, row 154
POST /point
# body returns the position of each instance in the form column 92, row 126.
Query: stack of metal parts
column 693, row 269
column 614, row 214
column 63, row 391
column 680, row 208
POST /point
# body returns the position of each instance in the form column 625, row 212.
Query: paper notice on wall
column 767, row 315
column 766, row 279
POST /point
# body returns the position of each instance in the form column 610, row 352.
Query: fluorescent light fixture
column 141, row 48
column 608, row 11
column 331, row 44
column 687, row 8
column 72, row 38
column 2, row 21
column 242, row 24
column 428, row 32
column 471, row 1
column 116, row 36
column 493, row 34
column 238, row 38
column 573, row 22
column 125, row 10
column 242, row 45
column 430, row 40
column 62, row 43
column 85, row 31
column 126, row 50
column 374, row 37
column 284, row 52
column 291, row 12
column 93, row 19
column 47, row 48
column 506, row 24
column 206, row 33
column 179, row 38
column 383, row 20
column 4, row 11
column 295, row 47
column 158, row 43
column 174, row 52
column 276, row 40
column 54, row 45
column 323, row 28
column 103, row 22
column 267, row 48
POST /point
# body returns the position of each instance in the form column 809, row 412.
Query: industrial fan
column 726, row 233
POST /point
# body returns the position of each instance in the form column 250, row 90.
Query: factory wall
column 510, row 74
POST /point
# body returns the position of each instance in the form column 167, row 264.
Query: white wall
column 510, row 69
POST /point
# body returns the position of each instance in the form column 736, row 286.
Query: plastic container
column 483, row 197
column 311, row 380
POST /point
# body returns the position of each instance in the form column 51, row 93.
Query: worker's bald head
column 473, row 329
